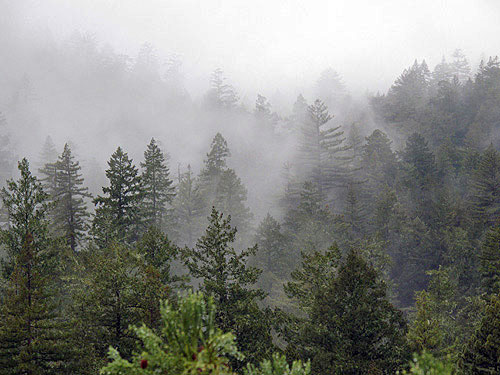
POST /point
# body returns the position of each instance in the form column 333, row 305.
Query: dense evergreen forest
column 375, row 240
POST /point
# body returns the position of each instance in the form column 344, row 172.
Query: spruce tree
column 158, row 189
column 70, row 212
column 118, row 210
column 224, row 274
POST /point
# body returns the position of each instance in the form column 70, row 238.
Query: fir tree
column 221, row 94
column 70, row 212
column 33, row 336
column 225, row 276
column 117, row 212
column 158, row 189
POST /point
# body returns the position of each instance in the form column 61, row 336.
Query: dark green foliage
column 157, row 185
column 490, row 261
column 350, row 327
column 486, row 187
column 116, row 289
column 482, row 354
column 34, row 339
column 225, row 276
column 70, row 211
column 117, row 214
column 189, row 343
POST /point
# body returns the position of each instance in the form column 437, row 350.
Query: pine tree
column 158, row 189
column 70, row 212
column 117, row 212
column 350, row 327
column 33, row 335
column 225, row 275
column 190, row 343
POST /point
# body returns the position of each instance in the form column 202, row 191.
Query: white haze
column 275, row 48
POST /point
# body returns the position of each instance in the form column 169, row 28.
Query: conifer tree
column 157, row 185
column 351, row 327
column 70, row 212
column 320, row 161
column 221, row 187
column 378, row 162
column 116, row 290
column 6, row 157
column 118, row 210
column 271, row 241
column 224, row 274
column 33, row 336
column 189, row 208
column 486, row 187
column 48, row 159
column 460, row 66
column 481, row 356
column 221, row 94
column 490, row 261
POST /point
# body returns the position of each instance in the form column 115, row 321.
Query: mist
column 109, row 73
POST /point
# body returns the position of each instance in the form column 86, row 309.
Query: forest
column 163, row 233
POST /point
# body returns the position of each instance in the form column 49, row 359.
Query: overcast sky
column 265, row 45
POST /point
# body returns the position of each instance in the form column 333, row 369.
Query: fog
column 107, row 73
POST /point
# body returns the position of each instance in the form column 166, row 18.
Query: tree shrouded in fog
column 70, row 212
column 158, row 187
column 117, row 214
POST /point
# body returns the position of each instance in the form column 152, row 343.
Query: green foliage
column 482, row 353
column 427, row 364
column 189, row 343
column 157, row 185
column 224, row 274
column 34, row 338
column 490, row 261
column 350, row 326
column 117, row 211
column 70, row 212
column 278, row 366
